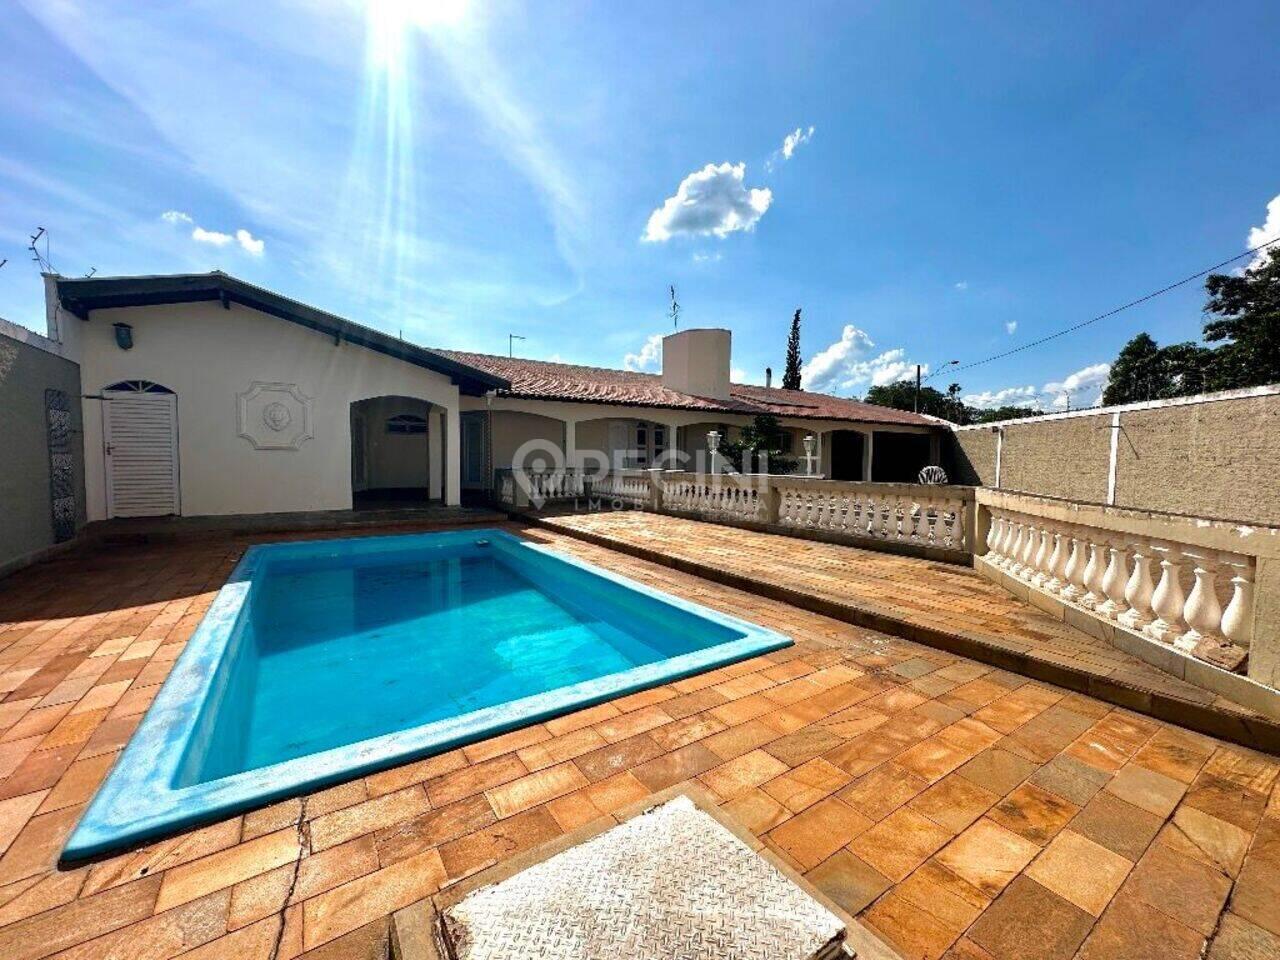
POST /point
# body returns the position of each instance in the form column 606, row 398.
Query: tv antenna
column 511, row 343
column 36, row 255
column 674, row 312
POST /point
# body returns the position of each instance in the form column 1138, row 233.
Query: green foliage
column 948, row 406
column 1245, row 318
column 791, row 373
column 759, row 447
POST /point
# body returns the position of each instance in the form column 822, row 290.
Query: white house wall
column 208, row 356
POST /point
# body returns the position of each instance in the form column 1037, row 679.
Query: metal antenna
column 674, row 312
column 42, row 259
column 511, row 341
column 92, row 271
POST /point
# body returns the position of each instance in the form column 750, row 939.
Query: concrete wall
column 29, row 365
column 208, row 356
column 1213, row 456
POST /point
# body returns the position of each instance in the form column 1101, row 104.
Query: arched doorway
column 140, row 444
column 391, row 453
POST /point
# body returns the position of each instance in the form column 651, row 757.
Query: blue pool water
column 326, row 659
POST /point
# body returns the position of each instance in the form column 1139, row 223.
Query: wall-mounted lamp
column 124, row 336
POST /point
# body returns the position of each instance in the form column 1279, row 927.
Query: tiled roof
column 541, row 380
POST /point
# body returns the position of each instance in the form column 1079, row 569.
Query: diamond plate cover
column 671, row 884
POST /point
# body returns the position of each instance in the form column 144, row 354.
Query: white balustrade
column 716, row 498
column 1176, row 594
column 930, row 517
column 625, row 487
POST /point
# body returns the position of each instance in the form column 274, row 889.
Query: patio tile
column 1247, row 769
column 932, row 759
column 880, row 792
column 1146, row 789
column 743, row 738
column 849, row 881
column 361, row 818
column 616, row 757
column 1070, row 779
column 483, row 848
column 193, row 880
column 1033, row 813
column 1174, row 753
column 681, row 764
column 519, row 795
column 987, row 856
column 953, row 802
column 742, row 773
column 1191, row 892
column 1131, row 929
column 806, row 784
column 79, row 921
column 1029, row 922
column 818, row 832
column 900, row 842
column 627, row 725
column 165, row 854
column 433, row 828
column 797, row 748
column 37, row 846
column 1256, row 896
column 936, row 890
column 1226, row 800
column 757, row 811
column 997, row 771
column 1079, row 870
column 915, row 932
column 1238, row 939
column 1208, row 839
column 1119, row 826
column 374, row 895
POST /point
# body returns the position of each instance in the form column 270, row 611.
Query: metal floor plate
column 670, row 884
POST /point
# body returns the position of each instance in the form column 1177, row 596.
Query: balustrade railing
column 905, row 513
column 538, row 486
column 1194, row 598
column 630, row 487
column 716, row 497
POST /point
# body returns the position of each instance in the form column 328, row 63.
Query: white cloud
column 962, row 285
column 1269, row 230
column 841, row 367
column 794, row 139
column 713, row 200
column 649, row 357
column 1011, row 327
column 175, row 216
column 250, row 243
column 1080, row 389
column 708, row 257
column 1027, row 396
column 212, row 237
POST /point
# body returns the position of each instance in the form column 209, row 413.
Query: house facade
column 205, row 395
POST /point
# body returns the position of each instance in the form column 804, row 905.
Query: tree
column 1131, row 375
column 760, row 447
column 958, row 409
column 1245, row 319
column 791, row 373
column 901, row 396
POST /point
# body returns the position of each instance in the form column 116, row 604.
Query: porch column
column 571, row 444
column 452, row 458
column 868, row 444
column 435, row 454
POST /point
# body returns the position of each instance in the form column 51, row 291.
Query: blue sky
column 961, row 178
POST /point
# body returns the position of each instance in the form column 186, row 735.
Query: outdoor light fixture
column 124, row 336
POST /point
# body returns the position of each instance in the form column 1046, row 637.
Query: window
column 406, row 423
column 138, row 386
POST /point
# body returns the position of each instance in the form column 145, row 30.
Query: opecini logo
column 541, row 474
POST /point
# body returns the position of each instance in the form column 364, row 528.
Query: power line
column 1121, row 309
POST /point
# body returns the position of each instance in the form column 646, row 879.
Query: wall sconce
column 124, row 336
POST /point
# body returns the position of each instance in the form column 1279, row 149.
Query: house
column 206, row 395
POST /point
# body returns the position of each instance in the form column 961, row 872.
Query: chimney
column 768, row 376
column 697, row 362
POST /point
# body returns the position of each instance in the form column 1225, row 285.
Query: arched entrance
column 393, row 446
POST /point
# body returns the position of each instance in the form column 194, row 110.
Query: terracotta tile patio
column 959, row 810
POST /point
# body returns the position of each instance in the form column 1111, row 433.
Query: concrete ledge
column 1257, row 732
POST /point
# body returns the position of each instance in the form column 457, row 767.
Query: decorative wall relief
column 62, row 491
column 274, row 416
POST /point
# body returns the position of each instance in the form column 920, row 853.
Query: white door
column 140, row 430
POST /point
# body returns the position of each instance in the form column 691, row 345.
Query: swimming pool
column 322, row 660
